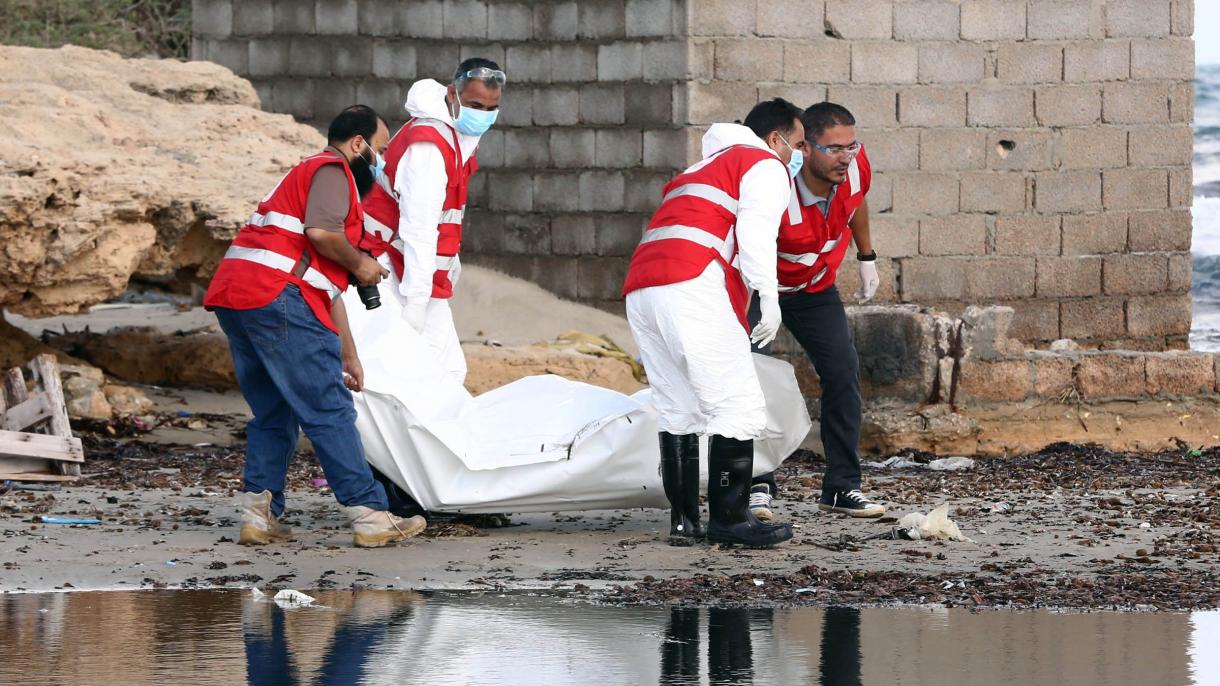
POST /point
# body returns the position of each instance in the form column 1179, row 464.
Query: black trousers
column 819, row 324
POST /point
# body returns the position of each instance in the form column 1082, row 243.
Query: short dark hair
column 772, row 115
column 470, row 63
column 357, row 120
column 824, row 115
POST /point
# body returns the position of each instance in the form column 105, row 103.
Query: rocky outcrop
column 112, row 167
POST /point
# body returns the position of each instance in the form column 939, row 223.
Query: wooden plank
column 27, row 414
column 46, row 371
column 36, row 476
column 17, row 444
column 14, row 387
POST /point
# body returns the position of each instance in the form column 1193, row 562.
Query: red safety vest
column 381, row 206
column 260, row 261
column 695, row 225
column 811, row 251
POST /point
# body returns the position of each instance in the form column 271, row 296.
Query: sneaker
column 852, row 503
column 375, row 528
column 258, row 525
column 760, row 502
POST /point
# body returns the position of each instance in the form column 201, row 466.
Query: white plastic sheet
column 539, row 444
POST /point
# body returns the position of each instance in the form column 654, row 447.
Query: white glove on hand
column 768, row 326
column 869, row 281
column 415, row 314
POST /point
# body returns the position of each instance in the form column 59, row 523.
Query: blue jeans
column 290, row 372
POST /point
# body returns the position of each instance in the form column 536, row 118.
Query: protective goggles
column 484, row 74
column 837, row 150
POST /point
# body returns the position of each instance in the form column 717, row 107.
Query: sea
column 1205, row 288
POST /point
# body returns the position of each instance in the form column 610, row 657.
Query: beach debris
column 895, row 462
column 1000, row 507
column 256, row 594
column 951, row 464
column 69, row 520
column 935, row 525
column 292, row 598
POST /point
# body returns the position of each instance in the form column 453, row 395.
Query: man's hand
column 768, row 326
column 369, row 272
column 353, row 373
column 416, row 314
column 869, row 281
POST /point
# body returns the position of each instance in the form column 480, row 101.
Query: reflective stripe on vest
column 445, row 264
column 694, row 235
column 376, row 228
column 706, row 192
column 451, row 216
column 808, row 258
column 277, row 220
column 283, row 263
column 807, row 284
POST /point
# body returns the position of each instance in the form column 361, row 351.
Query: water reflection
column 400, row 638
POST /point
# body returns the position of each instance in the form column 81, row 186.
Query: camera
column 368, row 294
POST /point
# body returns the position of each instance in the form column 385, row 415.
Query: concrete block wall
column 1032, row 153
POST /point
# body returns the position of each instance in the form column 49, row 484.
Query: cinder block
column 573, row 62
column 749, row 59
column 1052, row 375
column 1135, row 102
column 1135, row 189
column 1092, row 148
column 720, row 18
column 231, row 53
column 383, row 95
column 1019, row 149
column 848, row 280
column 353, row 58
column 642, row 193
column 1180, row 272
column 601, row 19
column 1180, row 375
column 927, row 20
column 212, row 18
column 556, row 106
column 620, row 61
column 881, row 193
column 993, row 192
column 678, row 60
column 253, row 18
column 884, row 62
column 378, row 17
column 1029, row 62
column 1094, row 318
column 1097, row 60
column 872, row 106
column 422, row 19
column 1180, row 194
column 793, row 19
column 952, row 149
column 925, row 193
column 1137, row 18
column 893, row 236
column 619, row 148
column 491, row 148
column 1094, row 234
column 602, row 103
column 647, row 104
column 488, row 51
column 526, row 234
column 618, row 234
column 993, row 20
column 438, row 62
column 1182, row 102
column 651, row 18
column 800, row 94
column 1169, row 58
column 465, row 19
column 1000, row 106
column 961, row 234
column 338, row 17
column 891, row 149
column 951, row 62
column 999, row 278
column 1182, row 17
column 394, row 59
column 1027, row 234
column 1155, row 145
column 718, row 101
column 288, row 17
column 292, row 96
column 571, row 234
column 852, row 19
column 573, row 148
column 1068, row 277
column 932, row 106
column 818, row 61
column 1159, row 315
column 516, row 109
column 1067, row 191
column 268, row 57
column 331, row 96
column 1060, row 19
column 932, row 279
column 528, row 63
column 1135, row 273
column 556, row 20
column 510, row 21
column 527, row 148
column 558, row 192
column 1067, row 105
column 996, row 380
column 601, row 278
column 667, row 148
column 601, row 191
column 1106, row 376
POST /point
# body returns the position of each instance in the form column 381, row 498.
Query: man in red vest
column 834, row 212
column 414, row 219
column 688, row 285
column 276, row 296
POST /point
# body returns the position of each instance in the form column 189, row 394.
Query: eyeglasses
column 837, row 150
column 484, row 74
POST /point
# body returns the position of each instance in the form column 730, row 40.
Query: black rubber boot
column 691, row 486
column 730, row 463
column 675, row 456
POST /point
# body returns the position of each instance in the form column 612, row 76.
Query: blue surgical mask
column 377, row 165
column 472, row 122
column 796, row 162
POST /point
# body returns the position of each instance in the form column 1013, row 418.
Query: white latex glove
column 768, row 325
column 415, row 314
column 869, row 281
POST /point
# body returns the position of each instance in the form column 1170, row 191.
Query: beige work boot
column 258, row 525
column 375, row 528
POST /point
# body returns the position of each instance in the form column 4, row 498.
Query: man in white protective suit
column 413, row 218
column 688, row 286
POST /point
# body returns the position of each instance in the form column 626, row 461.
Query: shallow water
column 401, row 638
